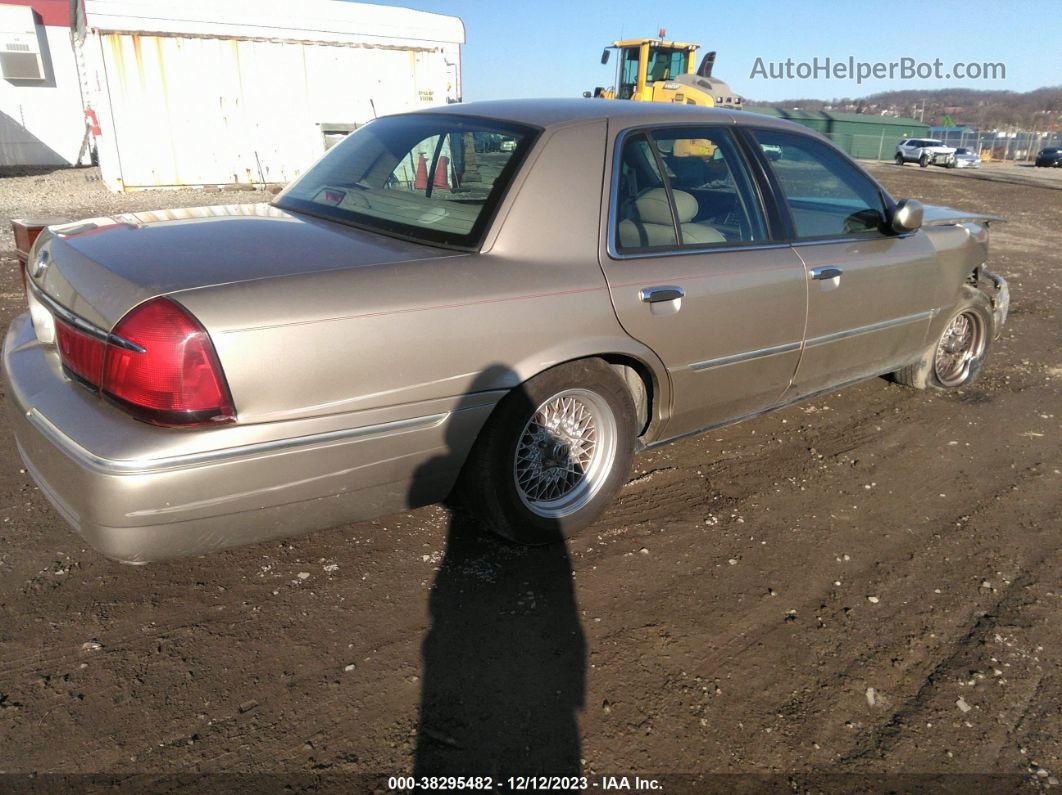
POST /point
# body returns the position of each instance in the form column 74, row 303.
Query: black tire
column 923, row 161
column 928, row 372
column 951, row 164
column 899, row 159
column 488, row 485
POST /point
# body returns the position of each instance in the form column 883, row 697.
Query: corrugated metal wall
column 206, row 111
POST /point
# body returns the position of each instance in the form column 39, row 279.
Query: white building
column 209, row 92
column 41, row 112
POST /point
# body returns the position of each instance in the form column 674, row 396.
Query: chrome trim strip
column 854, row 332
column 613, row 254
column 80, row 323
column 111, row 466
column 746, row 356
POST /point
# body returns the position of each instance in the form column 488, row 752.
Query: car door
column 871, row 291
column 697, row 272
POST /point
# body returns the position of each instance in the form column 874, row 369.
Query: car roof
column 548, row 113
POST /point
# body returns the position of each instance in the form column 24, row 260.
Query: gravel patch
column 80, row 193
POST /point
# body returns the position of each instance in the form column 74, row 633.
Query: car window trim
column 611, row 242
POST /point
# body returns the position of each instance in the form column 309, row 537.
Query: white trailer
column 216, row 92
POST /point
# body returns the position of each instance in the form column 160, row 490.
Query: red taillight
column 159, row 364
column 175, row 379
column 81, row 354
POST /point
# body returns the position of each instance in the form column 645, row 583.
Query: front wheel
column 553, row 454
column 955, row 359
column 923, row 161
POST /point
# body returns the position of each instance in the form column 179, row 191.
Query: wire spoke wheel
column 961, row 345
column 565, row 453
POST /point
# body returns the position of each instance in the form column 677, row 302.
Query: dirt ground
column 861, row 592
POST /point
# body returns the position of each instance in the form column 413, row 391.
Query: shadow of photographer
column 505, row 657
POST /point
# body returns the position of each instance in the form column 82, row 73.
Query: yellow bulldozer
column 655, row 70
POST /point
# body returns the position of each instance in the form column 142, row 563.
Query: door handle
column 654, row 295
column 825, row 272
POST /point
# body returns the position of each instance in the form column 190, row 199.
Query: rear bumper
column 139, row 493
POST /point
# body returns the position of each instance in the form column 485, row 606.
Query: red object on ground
column 442, row 169
column 421, row 182
column 93, row 121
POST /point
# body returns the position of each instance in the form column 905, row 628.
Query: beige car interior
column 650, row 224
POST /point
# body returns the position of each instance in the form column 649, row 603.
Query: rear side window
column 685, row 188
column 827, row 195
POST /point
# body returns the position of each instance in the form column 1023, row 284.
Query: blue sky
column 552, row 47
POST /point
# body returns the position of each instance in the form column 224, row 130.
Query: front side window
column 431, row 178
column 703, row 197
column 827, row 195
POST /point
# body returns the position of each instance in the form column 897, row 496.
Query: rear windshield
column 431, row 178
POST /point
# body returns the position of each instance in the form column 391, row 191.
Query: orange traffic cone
column 442, row 169
column 421, row 182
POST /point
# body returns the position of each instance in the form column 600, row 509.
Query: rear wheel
column 899, row 159
column 553, row 454
column 956, row 357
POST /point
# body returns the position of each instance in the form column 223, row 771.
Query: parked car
column 772, row 152
column 966, row 158
column 1049, row 157
column 186, row 381
column 925, row 152
column 508, row 145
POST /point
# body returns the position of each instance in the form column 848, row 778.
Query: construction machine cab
column 656, row 70
column 643, row 62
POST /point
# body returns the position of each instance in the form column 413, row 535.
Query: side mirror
column 605, row 53
column 907, row 217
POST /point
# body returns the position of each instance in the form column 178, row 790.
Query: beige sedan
column 428, row 313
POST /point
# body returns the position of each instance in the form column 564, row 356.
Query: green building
column 861, row 135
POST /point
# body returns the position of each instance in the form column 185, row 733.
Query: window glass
column 665, row 64
column 713, row 192
column 827, row 195
column 628, row 73
column 432, row 178
column 644, row 215
column 713, row 195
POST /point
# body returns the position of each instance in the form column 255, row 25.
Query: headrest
column 653, row 208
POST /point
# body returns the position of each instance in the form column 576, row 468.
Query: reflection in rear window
column 428, row 177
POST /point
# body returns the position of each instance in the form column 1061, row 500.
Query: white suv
column 925, row 151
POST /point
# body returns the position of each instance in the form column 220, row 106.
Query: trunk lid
column 101, row 268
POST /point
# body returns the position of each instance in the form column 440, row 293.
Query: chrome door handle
column 826, row 272
column 654, row 295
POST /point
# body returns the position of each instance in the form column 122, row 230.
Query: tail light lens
column 82, row 355
column 176, row 378
column 159, row 365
